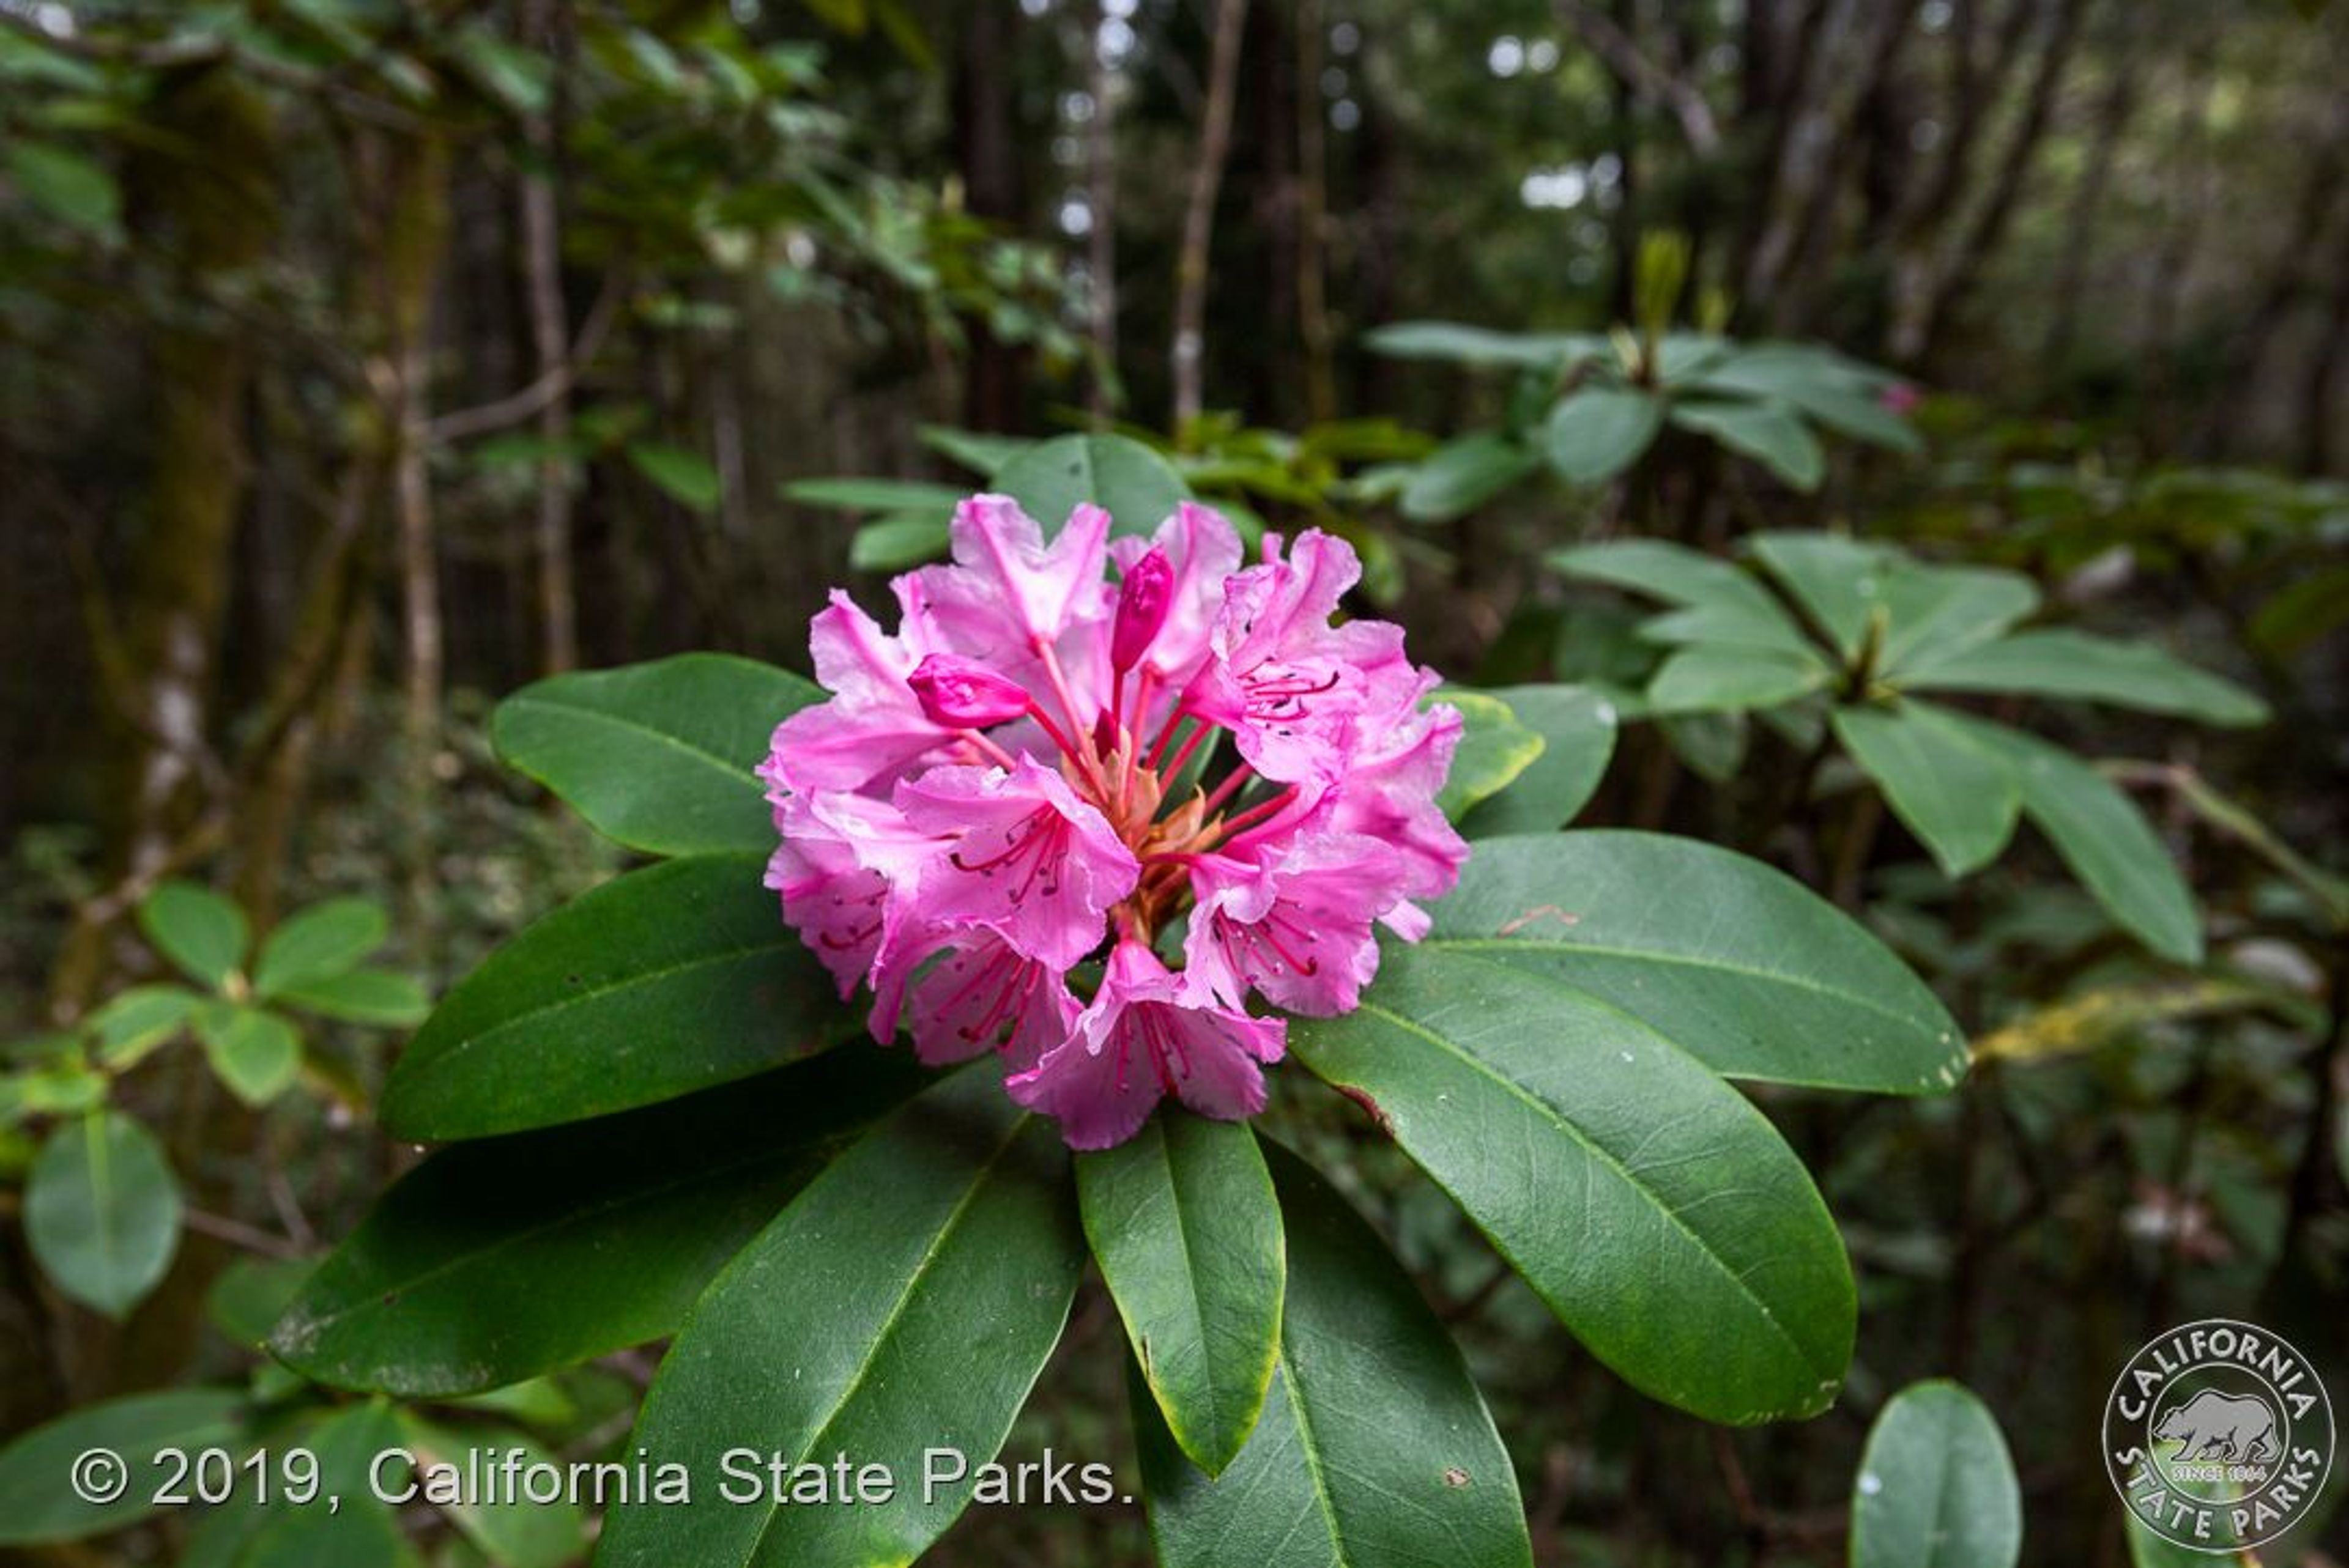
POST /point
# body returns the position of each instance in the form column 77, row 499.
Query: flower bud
column 1142, row 601
column 963, row 693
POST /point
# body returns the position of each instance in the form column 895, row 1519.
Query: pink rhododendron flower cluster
column 1004, row 797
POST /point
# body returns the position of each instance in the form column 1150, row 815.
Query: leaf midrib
column 1475, row 946
column 407, row 1285
column 855, row 1380
column 1606, row 1157
column 781, row 941
column 742, row 776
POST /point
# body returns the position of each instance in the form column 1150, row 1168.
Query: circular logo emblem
column 2218, row 1435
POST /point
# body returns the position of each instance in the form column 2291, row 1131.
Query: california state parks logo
column 2218, row 1435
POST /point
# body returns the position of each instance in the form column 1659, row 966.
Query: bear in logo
column 2237, row 1429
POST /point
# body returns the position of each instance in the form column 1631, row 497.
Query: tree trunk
column 1199, row 212
column 1313, row 217
column 995, row 187
column 1101, row 239
column 550, row 337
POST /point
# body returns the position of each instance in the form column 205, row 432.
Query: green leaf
column 1139, row 489
column 973, row 450
column 1480, row 345
column 903, row 1303
column 516, row 1533
column 1578, row 730
column 1653, row 1208
column 660, row 757
column 1374, row 1450
column 362, row 1533
column 1841, row 581
column 878, row 495
column 1461, row 475
column 133, row 1023
column 661, row 982
column 102, row 1211
column 685, row 477
column 1938, row 611
column 252, row 1050
column 1596, row 432
column 363, row 996
column 1831, row 390
column 896, row 544
column 1734, row 962
column 2103, row 837
column 1494, row 750
column 518, row 77
column 1959, row 798
column 1734, row 607
column 68, row 187
column 321, row 942
column 1183, row 1221
column 2065, row 664
column 36, row 1505
column 1716, row 678
column 491, row 1262
column 197, row 929
column 251, row 1294
column 1936, row 1487
column 1770, row 434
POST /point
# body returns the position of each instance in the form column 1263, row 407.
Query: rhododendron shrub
column 1085, row 832
column 995, row 825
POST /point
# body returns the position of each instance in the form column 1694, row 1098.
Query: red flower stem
column 1225, row 790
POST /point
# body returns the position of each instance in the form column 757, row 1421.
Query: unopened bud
column 963, row 693
column 1142, row 601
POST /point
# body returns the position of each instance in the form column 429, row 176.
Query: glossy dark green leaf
column 1732, row 605
column 1711, row 678
column 36, row 1505
column 1494, row 750
column 376, row 996
column 1936, row 1487
column 1650, row 1205
column 2065, row 664
column 1374, row 1449
column 494, row 1260
column 1958, row 797
column 1183, row 1221
column 1577, row 725
column 1771, row 434
column 1461, row 475
column 1596, row 432
column 252, row 1050
column 2103, row 837
column 903, row 1303
column 664, row 981
column 1139, row 489
column 1735, row 963
column 660, row 756
column 102, row 1211
column 197, row 929
column 318, row 944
